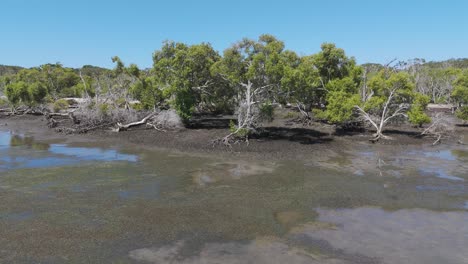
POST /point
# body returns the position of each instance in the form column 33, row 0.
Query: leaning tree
column 392, row 94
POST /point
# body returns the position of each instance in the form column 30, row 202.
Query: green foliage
column 184, row 73
column 147, row 91
column 239, row 132
column 386, row 83
column 462, row 112
column 104, row 109
column 37, row 92
column 332, row 63
column 320, row 114
column 460, row 95
column 460, row 92
column 291, row 115
column 266, row 111
column 61, row 104
column 3, row 102
column 416, row 115
column 13, row 92
column 301, row 82
column 31, row 86
column 341, row 106
column 184, row 103
column 327, row 78
column 29, row 94
column 195, row 78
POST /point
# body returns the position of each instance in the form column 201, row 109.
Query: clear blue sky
column 75, row 33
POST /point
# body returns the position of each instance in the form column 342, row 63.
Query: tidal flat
column 98, row 201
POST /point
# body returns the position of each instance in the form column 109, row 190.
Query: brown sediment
column 279, row 140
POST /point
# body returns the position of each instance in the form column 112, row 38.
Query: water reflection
column 203, row 209
column 16, row 153
column 28, row 142
column 403, row 236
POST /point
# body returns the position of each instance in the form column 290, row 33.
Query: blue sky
column 82, row 32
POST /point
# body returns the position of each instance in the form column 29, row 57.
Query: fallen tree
column 440, row 128
column 145, row 120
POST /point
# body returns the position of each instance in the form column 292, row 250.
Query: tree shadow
column 349, row 131
column 210, row 122
column 414, row 134
column 300, row 135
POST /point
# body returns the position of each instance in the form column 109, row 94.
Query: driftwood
column 145, row 121
column 438, row 129
column 69, row 114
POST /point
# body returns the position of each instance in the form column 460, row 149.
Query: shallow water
column 97, row 203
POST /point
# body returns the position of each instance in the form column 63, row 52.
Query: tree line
column 249, row 79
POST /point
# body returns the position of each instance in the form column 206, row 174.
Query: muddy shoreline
column 114, row 197
column 280, row 141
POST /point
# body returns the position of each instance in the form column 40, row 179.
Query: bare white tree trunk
column 386, row 116
column 247, row 116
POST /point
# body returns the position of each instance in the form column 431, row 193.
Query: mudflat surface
column 279, row 140
column 144, row 196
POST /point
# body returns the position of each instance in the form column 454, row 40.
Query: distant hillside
column 91, row 70
column 5, row 69
column 455, row 63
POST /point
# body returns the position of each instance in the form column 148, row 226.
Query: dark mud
column 123, row 198
column 279, row 140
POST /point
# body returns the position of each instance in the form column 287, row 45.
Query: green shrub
column 417, row 116
column 319, row 114
column 103, row 109
column 60, row 104
column 462, row 113
column 138, row 106
column 242, row 133
column 3, row 102
column 291, row 115
column 266, row 111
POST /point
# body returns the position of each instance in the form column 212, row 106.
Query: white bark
column 122, row 127
column 386, row 116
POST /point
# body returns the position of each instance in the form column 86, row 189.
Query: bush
column 138, row 106
column 103, row 109
column 3, row 102
column 266, row 112
column 291, row 115
column 60, row 104
column 242, row 133
column 462, row 113
column 319, row 114
column 417, row 116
